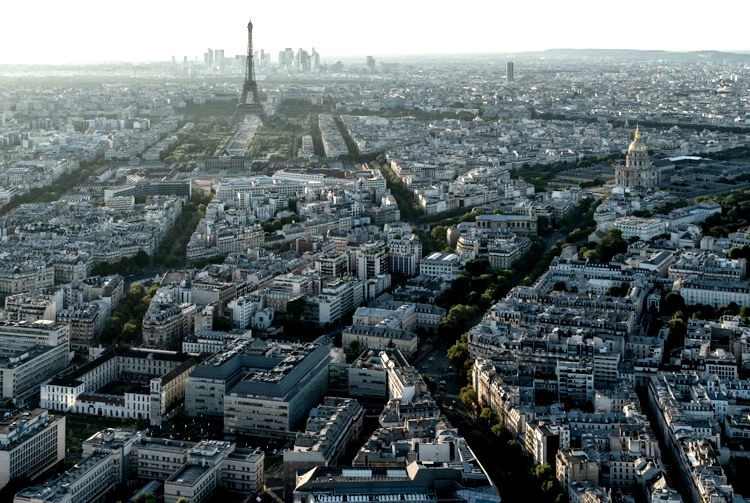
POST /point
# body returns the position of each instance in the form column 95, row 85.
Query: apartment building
column 211, row 342
column 445, row 265
column 31, row 442
column 405, row 254
column 329, row 430
column 545, row 439
column 166, row 324
column 503, row 253
column 26, row 277
column 380, row 337
column 104, row 465
column 110, row 289
column 517, row 223
column 715, row 293
column 573, row 465
column 214, row 462
column 367, row 376
column 31, row 353
column 575, row 380
column 30, row 308
column 261, row 389
column 336, row 299
column 86, row 321
column 187, row 469
column 644, row 229
column 372, row 260
column 332, row 264
column 156, row 385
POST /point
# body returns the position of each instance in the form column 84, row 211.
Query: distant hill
column 642, row 54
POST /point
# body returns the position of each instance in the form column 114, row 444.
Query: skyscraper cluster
column 301, row 61
column 262, row 59
column 214, row 58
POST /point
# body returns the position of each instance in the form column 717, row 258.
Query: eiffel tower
column 250, row 100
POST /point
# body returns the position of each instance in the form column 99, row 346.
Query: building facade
column 638, row 170
column 31, row 442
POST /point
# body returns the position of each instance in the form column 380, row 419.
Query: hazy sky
column 54, row 31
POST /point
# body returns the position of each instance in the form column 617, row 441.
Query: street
column 435, row 363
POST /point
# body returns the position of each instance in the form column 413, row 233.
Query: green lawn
column 78, row 428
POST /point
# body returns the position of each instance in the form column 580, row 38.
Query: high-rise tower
column 509, row 71
column 250, row 87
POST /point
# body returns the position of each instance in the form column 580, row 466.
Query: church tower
column 638, row 170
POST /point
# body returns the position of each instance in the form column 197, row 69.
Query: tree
column 458, row 354
column 130, row 330
column 141, row 259
column 137, row 290
column 145, row 498
column 355, row 347
column 488, row 417
column 673, row 302
column 456, row 321
column 430, row 382
column 500, row 430
column 677, row 332
column 611, row 245
column 620, row 290
column 702, row 312
column 294, row 308
column 112, row 329
column 477, row 267
column 736, row 252
column 560, row 286
column 543, row 472
column 183, row 499
column 469, row 397
column 732, row 309
column 439, row 236
column 592, row 255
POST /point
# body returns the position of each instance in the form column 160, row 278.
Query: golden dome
column 637, row 145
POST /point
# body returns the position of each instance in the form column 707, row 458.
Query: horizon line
column 739, row 52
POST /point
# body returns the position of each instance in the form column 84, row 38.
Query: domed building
column 638, row 170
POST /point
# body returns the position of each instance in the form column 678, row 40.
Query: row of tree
column 479, row 286
column 735, row 206
column 55, row 191
column 172, row 251
column 124, row 266
column 210, row 133
column 279, row 137
column 124, row 325
column 403, row 194
column 512, row 469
